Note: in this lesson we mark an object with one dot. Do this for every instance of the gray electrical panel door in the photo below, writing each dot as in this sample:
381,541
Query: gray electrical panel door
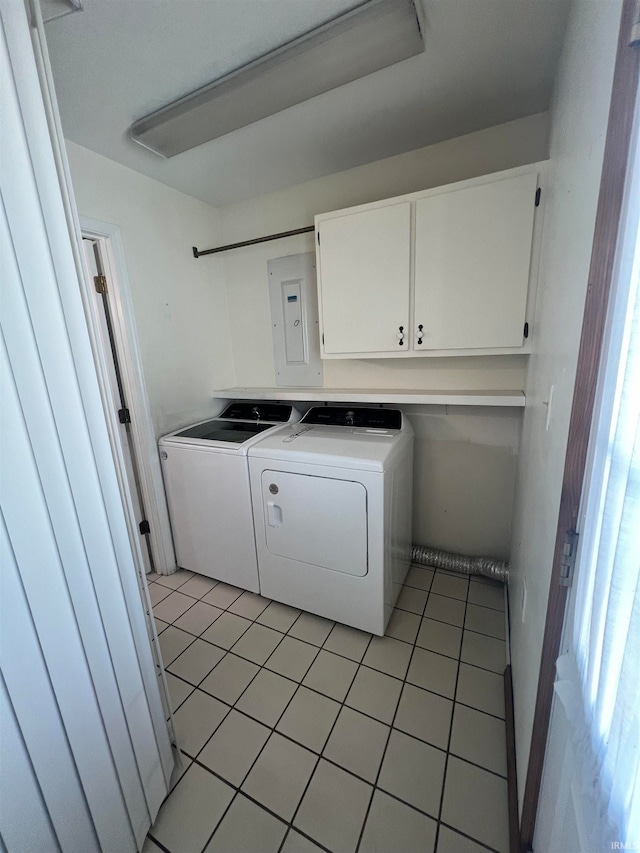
294,320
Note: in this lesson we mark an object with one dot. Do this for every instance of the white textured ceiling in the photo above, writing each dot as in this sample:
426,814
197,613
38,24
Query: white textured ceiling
486,62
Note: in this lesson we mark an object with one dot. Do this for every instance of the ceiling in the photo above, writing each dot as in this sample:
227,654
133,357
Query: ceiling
485,62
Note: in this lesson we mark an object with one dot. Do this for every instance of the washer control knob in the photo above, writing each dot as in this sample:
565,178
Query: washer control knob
164,455
273,489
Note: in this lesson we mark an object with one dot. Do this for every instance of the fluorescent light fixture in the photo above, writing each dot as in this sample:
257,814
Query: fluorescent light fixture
372,36
54,9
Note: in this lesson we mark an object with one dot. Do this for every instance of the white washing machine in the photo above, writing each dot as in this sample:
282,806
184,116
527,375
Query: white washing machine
332,499
206,479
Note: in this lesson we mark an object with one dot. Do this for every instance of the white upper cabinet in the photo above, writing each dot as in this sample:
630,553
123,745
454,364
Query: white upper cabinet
472,258
448,271
365,259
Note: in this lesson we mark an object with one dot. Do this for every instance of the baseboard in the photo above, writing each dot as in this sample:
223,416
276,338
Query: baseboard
512,780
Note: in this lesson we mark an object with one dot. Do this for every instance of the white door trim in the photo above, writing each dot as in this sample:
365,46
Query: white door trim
142,432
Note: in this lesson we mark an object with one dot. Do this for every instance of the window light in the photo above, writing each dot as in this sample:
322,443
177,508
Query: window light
372,36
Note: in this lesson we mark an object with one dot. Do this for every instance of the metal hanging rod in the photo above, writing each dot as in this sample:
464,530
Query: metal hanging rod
197,253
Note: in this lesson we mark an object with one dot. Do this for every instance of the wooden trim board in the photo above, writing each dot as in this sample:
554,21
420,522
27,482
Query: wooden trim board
512,775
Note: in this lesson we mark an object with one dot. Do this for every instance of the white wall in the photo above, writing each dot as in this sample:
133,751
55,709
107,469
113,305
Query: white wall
179,302
464,476
578,128
465,461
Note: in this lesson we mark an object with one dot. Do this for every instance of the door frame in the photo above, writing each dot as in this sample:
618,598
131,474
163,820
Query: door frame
109,240
607,234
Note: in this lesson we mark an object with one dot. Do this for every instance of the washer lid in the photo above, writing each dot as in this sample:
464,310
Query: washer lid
236,432
219,435
359,448
236,429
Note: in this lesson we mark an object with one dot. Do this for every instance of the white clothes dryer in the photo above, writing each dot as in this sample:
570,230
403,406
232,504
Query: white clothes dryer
332,500
206,479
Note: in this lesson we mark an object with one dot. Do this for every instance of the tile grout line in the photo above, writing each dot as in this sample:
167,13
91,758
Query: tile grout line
262,748
287,633
238,790
326,741
338,654
201,637
230,651
391,728
319,648
292,740
260,667
272,729
299,683
450,597
320,693
466,835
405,584
453,710
432,569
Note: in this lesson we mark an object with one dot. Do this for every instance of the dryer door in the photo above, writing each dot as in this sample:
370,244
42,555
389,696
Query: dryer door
316,520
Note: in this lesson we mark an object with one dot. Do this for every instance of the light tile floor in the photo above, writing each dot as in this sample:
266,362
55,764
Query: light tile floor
299,734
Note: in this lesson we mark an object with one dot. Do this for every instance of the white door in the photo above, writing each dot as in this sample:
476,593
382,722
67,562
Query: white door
316,520
86,756
119,403
590,792
364,280
473,252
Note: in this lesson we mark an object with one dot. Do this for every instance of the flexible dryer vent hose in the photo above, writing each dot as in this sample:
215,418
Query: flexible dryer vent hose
494,569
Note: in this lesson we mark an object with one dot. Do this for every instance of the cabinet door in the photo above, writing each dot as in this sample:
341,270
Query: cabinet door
473,252
364,269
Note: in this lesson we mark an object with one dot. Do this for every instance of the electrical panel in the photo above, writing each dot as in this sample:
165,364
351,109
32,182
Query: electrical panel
294,320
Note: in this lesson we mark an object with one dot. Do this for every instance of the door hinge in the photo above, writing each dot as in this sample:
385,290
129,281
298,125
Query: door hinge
568,559
144,527
123,416
525,331
318,238
538,194
100,282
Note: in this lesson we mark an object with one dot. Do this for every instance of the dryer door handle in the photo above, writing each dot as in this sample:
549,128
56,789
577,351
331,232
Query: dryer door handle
274,514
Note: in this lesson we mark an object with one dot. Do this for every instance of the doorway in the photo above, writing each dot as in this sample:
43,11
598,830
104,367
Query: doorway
104,314
111,322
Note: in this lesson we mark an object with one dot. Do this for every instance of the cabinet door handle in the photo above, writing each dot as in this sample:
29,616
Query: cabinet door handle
419,334
400,336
